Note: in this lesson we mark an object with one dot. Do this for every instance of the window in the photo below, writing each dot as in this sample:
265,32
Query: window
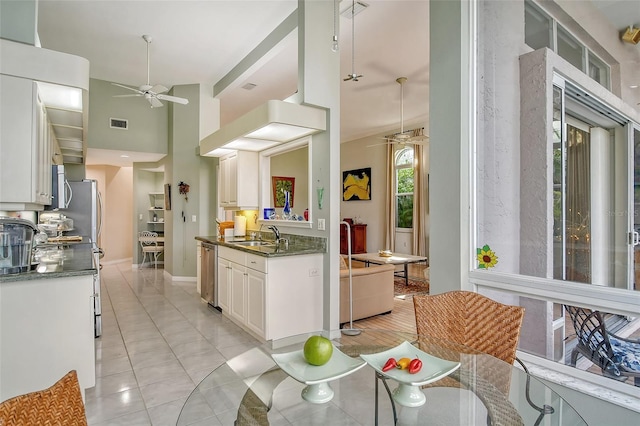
404,187
569,48
538,28
576,240
540,31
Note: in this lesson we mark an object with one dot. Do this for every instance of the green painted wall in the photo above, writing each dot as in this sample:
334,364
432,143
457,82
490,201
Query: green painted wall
184,165
18,20
148,127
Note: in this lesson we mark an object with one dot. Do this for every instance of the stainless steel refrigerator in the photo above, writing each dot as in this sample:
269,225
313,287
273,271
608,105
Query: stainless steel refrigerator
86,209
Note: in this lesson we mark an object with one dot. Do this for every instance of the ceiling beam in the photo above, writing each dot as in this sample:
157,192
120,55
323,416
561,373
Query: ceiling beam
260,55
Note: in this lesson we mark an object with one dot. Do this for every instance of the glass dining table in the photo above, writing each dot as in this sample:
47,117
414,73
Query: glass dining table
272,384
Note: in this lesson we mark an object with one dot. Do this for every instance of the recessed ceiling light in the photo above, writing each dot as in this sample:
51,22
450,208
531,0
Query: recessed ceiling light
124,156
249,86
633,86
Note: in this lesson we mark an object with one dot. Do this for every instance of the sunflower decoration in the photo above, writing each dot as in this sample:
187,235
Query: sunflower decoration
486,258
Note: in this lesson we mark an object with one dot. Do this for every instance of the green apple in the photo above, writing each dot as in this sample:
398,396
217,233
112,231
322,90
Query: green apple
318,350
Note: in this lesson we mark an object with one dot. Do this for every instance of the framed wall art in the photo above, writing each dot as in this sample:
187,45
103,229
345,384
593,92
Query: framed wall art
281,184
356,184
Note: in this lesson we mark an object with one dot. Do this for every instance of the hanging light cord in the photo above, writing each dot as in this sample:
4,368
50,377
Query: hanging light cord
353,38
402,106
335,46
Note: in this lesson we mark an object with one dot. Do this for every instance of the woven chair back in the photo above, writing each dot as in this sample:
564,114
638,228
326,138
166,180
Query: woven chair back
61,404
472,320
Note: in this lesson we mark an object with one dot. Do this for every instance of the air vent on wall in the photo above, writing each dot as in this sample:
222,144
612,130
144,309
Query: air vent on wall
118,123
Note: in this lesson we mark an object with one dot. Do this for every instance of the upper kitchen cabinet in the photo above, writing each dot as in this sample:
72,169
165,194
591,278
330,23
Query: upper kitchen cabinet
239,181
26,145
28,139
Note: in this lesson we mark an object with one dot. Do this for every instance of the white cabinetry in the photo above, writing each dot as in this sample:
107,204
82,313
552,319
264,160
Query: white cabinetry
270,297
239,180
224,282
47,330
26,142
256,299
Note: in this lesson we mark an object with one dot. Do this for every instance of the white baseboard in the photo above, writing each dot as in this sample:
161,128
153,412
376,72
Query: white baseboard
177,278
114,262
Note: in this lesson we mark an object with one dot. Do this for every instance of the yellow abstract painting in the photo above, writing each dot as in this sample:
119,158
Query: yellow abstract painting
356,184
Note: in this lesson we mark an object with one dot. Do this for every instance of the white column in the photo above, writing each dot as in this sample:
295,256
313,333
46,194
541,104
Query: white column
452,82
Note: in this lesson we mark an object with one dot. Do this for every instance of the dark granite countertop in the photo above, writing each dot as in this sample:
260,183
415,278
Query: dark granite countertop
58,260
298,245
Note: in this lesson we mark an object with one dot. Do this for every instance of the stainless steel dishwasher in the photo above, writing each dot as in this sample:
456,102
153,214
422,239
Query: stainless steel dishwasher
209,285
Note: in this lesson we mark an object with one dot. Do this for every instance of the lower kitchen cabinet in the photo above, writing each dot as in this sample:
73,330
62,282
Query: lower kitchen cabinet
47,330
238,289
271,297
224,283
256,286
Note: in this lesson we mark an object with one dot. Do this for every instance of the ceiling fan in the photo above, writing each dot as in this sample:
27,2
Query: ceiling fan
409,137
154,94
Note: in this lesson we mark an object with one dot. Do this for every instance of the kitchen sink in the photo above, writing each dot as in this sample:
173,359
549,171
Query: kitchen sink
253,243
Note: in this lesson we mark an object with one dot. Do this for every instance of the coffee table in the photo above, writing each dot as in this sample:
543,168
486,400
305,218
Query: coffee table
394,259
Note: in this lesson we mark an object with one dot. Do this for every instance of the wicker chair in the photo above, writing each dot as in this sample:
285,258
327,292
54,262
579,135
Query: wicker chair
617,357
61,404
485,326
472,320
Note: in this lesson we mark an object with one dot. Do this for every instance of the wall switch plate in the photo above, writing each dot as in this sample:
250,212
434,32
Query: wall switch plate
320,224
193,218
140,216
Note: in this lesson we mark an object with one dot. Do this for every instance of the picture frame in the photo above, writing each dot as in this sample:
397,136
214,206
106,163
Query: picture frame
281,184
167,196
356,184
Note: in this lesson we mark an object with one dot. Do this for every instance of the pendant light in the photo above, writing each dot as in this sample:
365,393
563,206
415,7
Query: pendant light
353,76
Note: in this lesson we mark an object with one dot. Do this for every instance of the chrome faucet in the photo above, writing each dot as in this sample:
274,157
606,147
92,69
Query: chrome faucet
278,238
276,232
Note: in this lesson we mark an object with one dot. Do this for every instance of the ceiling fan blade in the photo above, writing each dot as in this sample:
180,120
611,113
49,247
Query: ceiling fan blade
134,89
418,139
353,77
182,101
158,88
155,103
127,96
378,144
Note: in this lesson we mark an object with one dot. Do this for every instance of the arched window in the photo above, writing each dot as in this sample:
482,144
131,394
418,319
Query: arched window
404,168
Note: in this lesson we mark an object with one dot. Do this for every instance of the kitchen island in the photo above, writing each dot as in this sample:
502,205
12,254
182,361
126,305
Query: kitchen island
46,321
270,290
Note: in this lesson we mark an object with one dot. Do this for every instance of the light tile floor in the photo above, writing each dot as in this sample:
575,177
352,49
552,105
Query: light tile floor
158,342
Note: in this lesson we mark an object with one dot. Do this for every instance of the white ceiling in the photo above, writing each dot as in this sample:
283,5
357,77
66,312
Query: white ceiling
201,41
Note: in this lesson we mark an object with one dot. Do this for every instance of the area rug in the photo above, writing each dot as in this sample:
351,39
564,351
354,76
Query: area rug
416,286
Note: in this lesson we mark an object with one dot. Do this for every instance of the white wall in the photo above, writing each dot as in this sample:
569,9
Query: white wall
356,155
116,186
